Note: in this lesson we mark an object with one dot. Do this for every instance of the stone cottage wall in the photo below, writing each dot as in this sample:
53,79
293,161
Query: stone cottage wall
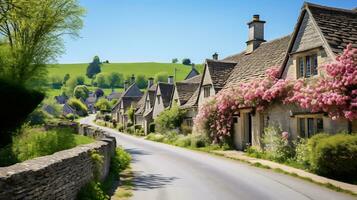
57,176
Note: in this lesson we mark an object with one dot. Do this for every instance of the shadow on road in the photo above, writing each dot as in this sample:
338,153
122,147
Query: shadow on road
150,181
135,153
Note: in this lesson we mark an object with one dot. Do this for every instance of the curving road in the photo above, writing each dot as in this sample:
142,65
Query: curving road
164,172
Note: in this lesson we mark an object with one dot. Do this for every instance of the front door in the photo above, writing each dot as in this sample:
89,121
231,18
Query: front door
247,127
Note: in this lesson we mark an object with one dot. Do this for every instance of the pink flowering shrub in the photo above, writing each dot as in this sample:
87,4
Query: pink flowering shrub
335,93
215,115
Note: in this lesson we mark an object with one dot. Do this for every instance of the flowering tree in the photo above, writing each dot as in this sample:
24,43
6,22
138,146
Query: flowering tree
215,115
335,93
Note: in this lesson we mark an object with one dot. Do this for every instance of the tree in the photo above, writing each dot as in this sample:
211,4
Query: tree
186,61
174,60
141,81
71,84
80,108
115,79
80,80
101,80
99,92
66,78
81,91
32,35
103,104
161,77
94,67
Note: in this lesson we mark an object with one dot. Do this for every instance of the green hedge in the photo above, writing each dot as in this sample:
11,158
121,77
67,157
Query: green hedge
334,156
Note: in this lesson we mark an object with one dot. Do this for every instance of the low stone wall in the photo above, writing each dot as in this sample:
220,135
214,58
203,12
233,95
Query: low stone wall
91,131
57,176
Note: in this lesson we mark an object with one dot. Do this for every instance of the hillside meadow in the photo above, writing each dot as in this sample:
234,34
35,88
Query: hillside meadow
148,69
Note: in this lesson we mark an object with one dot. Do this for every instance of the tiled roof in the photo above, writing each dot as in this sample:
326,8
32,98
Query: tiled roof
129,101
141,104
219,71
254,65
186,88
192,73
166,90
114,95
133,92
338,26
192,102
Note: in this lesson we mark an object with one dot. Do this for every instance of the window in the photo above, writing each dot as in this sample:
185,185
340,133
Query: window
189,122
308,126
307,66
158,99
206,91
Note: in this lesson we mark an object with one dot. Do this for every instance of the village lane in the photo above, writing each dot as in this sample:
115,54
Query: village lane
164,172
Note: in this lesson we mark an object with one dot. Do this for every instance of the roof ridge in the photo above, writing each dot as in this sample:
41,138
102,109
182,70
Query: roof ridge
220,61
308,4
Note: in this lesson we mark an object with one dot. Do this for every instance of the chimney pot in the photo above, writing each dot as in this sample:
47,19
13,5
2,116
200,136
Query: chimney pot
256,34
215,56
132,79
126,85
170,80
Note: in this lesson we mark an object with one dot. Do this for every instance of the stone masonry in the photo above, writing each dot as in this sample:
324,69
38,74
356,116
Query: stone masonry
57,176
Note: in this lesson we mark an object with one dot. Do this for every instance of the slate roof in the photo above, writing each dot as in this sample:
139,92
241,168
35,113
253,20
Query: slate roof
219,71
192,73
133,93
192,102
166,90
186,88
114,95
129,101
142,103
254,65
91,100
338,26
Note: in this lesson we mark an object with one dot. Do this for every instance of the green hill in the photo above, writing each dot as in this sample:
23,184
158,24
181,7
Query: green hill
148,69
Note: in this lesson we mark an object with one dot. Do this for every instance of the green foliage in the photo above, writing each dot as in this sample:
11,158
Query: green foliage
120,161
174,60
56,82
141,81
199,141
81,91
17,102
276,147
334,156
183,141
103,104
101,80
302,153
34,142
161,77
185,129
130,129
65,79
94,67
130,114
114,79
99,92
169,119
71,84
80,108
38,117
186,61
71,116
155,137
97,161
92,191
32,35
120,127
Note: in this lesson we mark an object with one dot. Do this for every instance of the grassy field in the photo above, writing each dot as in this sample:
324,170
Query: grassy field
148,69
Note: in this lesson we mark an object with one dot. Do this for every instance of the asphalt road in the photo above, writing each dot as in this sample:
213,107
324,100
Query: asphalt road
164,172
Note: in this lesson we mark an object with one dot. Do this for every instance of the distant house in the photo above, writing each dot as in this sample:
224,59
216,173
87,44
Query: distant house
90,103
68,110
185,96
143,114
192,73
129,98
214,77
61,99
163,96
114,95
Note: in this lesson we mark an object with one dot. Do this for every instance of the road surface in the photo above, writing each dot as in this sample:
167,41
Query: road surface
164,172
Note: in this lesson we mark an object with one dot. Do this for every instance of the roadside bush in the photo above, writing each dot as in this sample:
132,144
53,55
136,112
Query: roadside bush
120,127
71,116
183,141
199,141
120,161
152,127
302,153
103,105
130,130
137,126
277,146
38,117
169,119
93,191
157,137
334,156
185,129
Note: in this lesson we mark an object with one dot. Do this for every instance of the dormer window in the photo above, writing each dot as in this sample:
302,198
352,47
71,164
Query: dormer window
307,66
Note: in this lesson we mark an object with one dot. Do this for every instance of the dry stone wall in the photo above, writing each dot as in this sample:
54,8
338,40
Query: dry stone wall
57,176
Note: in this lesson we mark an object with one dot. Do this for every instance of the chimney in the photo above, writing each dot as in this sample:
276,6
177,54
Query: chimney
126,85
215,56
150,82
170,80
132,79
256,34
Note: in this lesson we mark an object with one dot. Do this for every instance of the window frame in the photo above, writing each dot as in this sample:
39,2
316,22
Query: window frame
206,91
307,119
307,65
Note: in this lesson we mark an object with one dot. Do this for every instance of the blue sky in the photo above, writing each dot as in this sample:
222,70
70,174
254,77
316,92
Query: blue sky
159,30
